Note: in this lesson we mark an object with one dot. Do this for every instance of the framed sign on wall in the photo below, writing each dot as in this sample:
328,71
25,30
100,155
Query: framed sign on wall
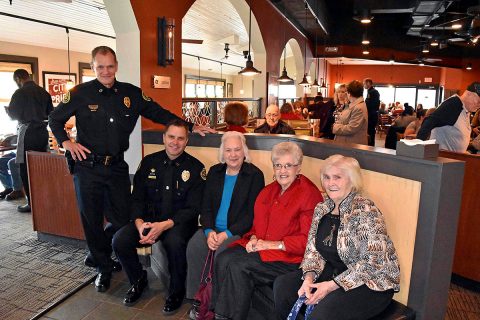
56,84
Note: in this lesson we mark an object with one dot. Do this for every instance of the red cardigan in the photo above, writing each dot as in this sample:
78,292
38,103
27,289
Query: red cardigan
284,217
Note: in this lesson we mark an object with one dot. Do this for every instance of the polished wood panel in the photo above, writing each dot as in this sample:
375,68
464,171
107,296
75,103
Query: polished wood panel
54,206
467,250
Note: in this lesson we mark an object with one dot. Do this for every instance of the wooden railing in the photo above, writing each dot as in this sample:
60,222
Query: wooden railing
210,111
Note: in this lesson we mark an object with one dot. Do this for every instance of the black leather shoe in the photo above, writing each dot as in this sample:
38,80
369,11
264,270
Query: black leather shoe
5,192
136,290
117,267
14,195
102,282
174,301
24,208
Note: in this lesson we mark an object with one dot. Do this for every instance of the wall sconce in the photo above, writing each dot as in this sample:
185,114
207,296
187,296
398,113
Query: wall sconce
166,38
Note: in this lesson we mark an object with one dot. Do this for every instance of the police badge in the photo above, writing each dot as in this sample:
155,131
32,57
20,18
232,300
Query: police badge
66,97
126,102
185,175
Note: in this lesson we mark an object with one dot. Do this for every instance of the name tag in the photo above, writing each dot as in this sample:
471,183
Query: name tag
93,107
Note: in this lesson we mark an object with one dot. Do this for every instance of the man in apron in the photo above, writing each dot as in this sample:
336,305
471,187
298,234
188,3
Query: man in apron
30,106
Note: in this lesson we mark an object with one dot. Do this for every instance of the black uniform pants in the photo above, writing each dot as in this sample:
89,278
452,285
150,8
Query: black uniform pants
102,192
174,240
35,139
372,124
357,304
236,275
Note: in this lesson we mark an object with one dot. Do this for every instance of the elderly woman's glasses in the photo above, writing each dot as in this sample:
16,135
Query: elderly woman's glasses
288,166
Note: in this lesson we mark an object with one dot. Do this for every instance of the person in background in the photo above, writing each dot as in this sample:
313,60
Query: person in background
340,100
382,109
476,124
413,127
300,110
398,127
373,103
10,178
273,123
352,123
350,268
230,192
287,112
236,116
450,125
166,200
30,105
419,107
106,112
275,243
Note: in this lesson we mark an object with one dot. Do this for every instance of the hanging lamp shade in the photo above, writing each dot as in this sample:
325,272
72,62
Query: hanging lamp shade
249,69
284,77
304,82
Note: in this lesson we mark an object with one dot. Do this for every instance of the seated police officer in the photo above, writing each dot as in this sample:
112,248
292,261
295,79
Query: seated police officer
166,200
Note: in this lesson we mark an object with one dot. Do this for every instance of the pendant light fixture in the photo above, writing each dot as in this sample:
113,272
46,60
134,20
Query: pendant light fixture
284,77
249,69
69,84
305,82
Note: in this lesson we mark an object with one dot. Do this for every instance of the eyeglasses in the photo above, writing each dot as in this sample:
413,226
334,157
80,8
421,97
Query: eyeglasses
271,115
288,166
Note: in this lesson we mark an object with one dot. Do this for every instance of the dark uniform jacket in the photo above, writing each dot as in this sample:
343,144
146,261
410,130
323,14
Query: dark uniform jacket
105,117
165,189
281,127
373,102
30,103
249,183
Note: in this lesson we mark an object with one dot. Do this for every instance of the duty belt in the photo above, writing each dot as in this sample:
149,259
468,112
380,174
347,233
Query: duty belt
105,160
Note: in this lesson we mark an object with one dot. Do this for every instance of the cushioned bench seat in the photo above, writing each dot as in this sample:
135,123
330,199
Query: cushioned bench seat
262,302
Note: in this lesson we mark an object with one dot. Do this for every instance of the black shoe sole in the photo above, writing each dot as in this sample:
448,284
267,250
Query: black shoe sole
101,289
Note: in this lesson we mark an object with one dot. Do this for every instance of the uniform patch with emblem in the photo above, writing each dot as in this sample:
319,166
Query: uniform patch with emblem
152,174
93,107
185,175
126,102
203,174
66,97
145,97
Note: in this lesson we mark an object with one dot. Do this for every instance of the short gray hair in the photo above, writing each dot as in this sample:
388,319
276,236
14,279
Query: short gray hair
284,148
349,166
233,134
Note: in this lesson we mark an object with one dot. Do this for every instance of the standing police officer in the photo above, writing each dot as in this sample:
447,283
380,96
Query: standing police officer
373,104
166,200
106,112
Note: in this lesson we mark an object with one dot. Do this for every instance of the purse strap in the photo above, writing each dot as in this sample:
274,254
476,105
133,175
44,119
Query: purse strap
297,306
208,277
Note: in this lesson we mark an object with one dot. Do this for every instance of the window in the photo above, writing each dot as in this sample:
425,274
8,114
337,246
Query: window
413,95
287,91
204,87
86,72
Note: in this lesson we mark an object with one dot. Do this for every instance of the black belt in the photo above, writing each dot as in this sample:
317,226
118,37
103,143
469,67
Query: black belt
105,160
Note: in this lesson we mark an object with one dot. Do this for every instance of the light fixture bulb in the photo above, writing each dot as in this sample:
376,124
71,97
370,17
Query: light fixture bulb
469,66
425,49
365,41
434,43
365,20
69,85
304,82
366,52
456,26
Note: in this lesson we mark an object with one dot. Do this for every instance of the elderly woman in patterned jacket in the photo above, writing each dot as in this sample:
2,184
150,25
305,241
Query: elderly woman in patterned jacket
350,268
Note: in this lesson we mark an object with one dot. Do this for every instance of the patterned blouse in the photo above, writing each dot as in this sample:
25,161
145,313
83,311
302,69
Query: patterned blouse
363,245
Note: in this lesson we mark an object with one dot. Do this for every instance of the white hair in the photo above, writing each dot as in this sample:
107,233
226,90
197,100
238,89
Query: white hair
233,134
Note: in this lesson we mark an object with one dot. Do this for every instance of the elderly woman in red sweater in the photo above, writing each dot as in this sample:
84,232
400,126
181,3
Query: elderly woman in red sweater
276,242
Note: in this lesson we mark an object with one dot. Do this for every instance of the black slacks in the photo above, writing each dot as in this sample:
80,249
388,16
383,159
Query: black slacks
372,124
174,240
236,275
102,191
360,303
35,139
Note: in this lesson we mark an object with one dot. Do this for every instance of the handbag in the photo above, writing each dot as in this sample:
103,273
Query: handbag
204,293
297,306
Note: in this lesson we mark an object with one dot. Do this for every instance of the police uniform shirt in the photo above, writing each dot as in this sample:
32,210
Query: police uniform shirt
105,117
165,189
30,103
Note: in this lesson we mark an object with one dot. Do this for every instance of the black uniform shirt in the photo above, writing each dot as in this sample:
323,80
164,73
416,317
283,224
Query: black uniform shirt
158,178
372,101
105,117
30,103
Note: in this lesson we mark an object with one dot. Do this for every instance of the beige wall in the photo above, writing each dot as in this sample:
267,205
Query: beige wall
48,59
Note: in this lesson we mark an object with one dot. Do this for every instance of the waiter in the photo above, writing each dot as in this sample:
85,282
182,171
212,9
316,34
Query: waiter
106,112
30,105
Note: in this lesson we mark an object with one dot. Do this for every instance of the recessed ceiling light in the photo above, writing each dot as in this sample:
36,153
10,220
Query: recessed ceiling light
366,51
365,41
456,26
365,20
434,43
469,66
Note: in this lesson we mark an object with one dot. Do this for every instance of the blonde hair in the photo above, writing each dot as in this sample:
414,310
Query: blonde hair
349,166
335,95
284,148
233,134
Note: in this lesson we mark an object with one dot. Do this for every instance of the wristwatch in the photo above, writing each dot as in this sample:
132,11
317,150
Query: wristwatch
280,246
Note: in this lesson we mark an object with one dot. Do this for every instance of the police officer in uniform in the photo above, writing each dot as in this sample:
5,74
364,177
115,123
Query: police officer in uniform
373,104
166,202
30,105
106,112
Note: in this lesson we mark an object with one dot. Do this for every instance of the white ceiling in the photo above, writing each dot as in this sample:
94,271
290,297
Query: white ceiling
87,15
216,22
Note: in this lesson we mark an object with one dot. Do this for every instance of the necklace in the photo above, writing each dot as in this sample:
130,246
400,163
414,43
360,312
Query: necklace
329,239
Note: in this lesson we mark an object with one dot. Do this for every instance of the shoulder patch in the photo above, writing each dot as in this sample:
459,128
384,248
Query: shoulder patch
66,97
145,97
203,174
